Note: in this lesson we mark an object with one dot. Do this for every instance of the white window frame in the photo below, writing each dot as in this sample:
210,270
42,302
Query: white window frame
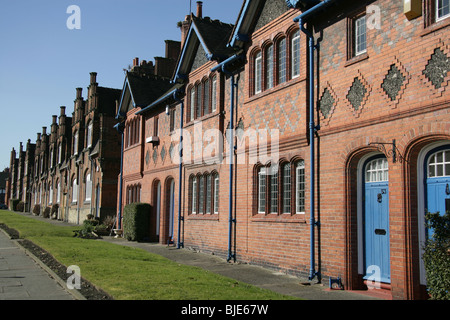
193,106
258,72
216,194
269,67
281,61
75,143
444,163
300,187
208,193
50,196
274,193
194,195
214,95
287,188
295,58
60,153
440,4
377,171
262,190
58,196
75,191
89,134
88,191
201,194
360,30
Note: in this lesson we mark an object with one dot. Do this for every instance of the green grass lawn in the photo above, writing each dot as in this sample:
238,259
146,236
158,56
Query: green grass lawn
130,273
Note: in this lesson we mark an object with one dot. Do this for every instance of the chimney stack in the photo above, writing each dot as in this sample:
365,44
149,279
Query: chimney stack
54,119
44,131
63,111
185,29
38,136
199,9
79,92
93,77
135,62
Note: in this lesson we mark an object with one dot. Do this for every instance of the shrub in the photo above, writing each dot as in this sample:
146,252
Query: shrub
46,213
20,206
437,256
13,204
136,221
37,210
54,212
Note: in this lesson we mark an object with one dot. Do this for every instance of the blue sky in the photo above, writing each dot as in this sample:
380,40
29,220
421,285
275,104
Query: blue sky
42,62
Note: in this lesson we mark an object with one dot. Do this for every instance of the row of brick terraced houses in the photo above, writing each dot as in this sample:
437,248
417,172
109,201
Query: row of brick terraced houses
315,135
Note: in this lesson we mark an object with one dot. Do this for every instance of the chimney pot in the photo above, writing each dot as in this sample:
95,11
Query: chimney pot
79,92
63,111
44,130
199,9
54,119
136,62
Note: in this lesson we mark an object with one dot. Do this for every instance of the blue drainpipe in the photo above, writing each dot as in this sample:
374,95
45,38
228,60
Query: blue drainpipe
312,128
222,66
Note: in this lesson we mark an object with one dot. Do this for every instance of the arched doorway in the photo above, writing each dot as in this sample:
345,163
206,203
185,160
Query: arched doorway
169,204
156,216
375,205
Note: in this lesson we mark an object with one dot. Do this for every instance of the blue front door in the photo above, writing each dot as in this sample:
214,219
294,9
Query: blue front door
376,220
438,182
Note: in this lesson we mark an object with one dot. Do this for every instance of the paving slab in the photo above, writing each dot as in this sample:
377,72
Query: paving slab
21,278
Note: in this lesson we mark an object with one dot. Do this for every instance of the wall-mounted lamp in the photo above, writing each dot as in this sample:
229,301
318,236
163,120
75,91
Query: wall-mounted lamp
394,152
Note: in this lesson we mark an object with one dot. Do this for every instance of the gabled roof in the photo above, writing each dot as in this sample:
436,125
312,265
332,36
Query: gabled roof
140,91
250,11
212,35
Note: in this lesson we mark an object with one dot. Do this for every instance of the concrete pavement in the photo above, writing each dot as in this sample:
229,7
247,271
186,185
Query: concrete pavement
21,278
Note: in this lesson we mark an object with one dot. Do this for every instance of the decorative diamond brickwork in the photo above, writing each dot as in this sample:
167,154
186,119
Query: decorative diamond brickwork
437,68
393,82
163,153
155,156
356,94
326,103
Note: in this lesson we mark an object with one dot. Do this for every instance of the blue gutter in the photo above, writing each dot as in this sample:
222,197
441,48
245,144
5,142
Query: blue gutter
312,128
120,127
223,67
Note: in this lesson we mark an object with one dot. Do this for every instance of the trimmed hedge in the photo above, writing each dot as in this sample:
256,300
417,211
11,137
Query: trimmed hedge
13,204
136,221
437,256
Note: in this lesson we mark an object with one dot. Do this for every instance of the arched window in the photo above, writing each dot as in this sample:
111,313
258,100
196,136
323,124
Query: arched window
75,143
216,194
277,187
281,61
206,101
74,191
88,191
269,67
439,164
89,135
295,54
300,187
258,72
286,171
